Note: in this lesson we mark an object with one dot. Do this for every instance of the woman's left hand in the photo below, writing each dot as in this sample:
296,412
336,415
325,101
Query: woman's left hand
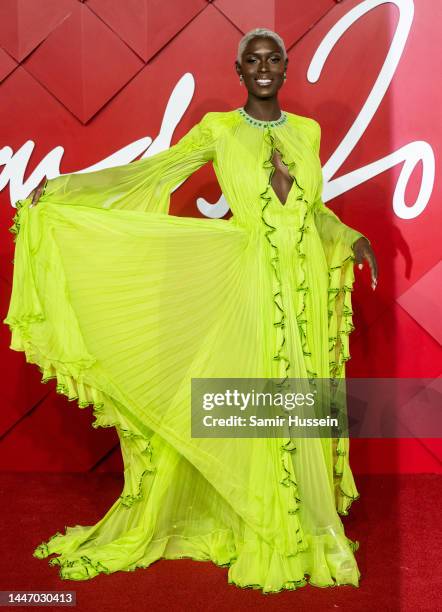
362,250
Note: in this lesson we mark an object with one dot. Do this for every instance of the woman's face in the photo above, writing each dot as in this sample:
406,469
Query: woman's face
262,66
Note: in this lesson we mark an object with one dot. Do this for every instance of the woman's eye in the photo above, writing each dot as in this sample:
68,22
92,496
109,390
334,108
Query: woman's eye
274,59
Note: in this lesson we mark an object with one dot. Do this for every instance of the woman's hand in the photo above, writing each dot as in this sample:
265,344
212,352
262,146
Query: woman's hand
362,250
37,192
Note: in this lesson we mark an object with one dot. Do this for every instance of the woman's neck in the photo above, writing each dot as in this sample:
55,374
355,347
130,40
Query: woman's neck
264,110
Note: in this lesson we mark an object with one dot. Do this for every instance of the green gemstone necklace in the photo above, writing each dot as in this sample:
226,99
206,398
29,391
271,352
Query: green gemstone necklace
259,123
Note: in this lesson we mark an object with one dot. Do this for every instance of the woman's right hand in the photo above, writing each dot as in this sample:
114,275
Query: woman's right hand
37,192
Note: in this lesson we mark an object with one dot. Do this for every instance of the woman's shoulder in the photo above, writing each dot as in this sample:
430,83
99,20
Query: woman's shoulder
219,122
221,117
302,122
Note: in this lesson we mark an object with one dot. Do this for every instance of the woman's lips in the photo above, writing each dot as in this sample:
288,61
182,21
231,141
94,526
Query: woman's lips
264,82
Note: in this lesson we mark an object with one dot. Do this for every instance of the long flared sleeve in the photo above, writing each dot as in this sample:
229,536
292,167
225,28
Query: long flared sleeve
145,184
329,225
337,240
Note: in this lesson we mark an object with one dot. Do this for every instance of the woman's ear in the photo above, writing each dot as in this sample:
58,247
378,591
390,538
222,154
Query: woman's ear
237,68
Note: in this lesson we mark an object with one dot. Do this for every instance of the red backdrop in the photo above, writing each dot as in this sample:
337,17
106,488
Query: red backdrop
94,76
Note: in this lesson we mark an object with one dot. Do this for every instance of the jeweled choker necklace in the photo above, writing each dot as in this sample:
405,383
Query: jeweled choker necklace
259,123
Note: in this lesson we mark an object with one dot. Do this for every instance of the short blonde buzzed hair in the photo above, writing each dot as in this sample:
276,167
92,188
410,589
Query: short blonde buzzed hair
256,33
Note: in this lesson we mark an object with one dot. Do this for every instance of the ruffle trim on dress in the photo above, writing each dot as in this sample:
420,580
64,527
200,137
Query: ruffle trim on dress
15,227
338,332
339,351
302,287
340,313
289,479
104,417
218,547
86,395
327,561
69,376
343,477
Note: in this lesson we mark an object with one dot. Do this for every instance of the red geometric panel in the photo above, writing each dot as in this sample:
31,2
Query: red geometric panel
146,25
23,25
423,303
34,444
395,456
394,346
83,63
289,19
7,65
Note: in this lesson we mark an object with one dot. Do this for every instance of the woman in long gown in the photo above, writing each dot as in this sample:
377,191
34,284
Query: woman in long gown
123,304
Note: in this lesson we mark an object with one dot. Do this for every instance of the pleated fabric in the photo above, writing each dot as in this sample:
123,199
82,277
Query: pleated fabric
123,304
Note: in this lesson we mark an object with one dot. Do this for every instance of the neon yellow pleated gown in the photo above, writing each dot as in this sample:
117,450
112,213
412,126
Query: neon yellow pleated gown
124,303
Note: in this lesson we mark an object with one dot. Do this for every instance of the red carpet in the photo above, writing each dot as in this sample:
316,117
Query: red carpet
396,521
